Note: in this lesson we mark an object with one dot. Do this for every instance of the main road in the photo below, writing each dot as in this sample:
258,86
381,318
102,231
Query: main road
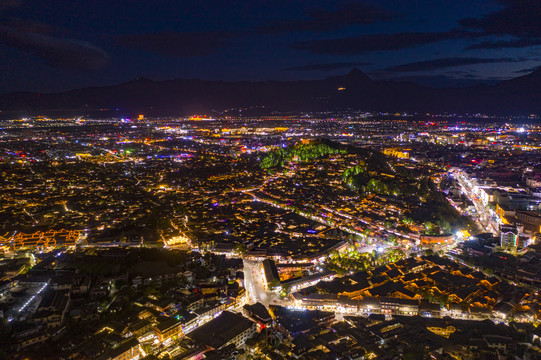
254,282
484,216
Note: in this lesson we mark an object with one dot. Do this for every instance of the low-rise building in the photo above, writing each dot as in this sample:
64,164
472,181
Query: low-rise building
168,330
228,328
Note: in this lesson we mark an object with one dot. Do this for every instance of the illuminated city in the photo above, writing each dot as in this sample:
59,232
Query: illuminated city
179,190
149,230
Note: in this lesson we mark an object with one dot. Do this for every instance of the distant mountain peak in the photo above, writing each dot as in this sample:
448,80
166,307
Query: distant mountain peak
355,73
353,91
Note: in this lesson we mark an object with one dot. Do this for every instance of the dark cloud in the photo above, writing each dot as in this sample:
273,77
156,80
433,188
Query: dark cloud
326,67
8,4
465,73
319,20
55,51
505,44
443,63
527,71
42,40
378,42
22,25
178,44
520,19
442,81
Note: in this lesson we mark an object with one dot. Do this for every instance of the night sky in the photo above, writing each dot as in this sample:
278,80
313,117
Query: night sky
57,45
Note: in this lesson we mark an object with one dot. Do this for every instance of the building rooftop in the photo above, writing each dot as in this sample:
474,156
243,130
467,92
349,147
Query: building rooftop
219,331
167,324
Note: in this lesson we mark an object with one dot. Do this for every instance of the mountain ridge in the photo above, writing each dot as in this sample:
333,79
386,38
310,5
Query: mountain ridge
352,91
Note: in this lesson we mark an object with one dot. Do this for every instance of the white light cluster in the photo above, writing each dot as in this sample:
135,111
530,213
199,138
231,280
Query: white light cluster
33,297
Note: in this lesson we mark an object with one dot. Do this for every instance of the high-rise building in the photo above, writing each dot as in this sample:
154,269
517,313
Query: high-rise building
509,236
